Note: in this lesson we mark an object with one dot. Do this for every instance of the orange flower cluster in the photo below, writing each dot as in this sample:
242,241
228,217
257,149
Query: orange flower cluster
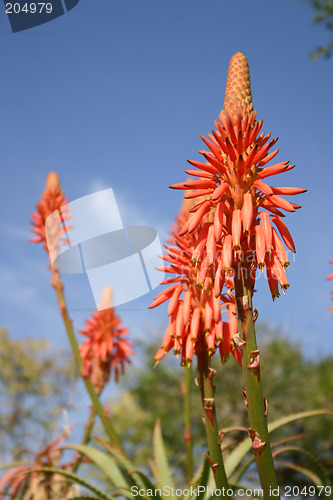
240,210
235,225
195,323
330,277
106,348
52,199
16,483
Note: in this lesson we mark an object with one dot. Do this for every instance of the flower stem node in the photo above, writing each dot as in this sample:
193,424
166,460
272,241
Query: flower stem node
211,462
209,407
255,363
266,406
257,443
245,398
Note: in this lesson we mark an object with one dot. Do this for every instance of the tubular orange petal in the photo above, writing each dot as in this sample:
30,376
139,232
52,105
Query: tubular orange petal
198,216
218,220
216,163
260,246
273,170
208,315
180,326
211,245
236,228
227,252
219,280
284,232
179,185
220,190
288,190
280,249
263,151
218,328
200,243
281,203
263,187
199,173
216,304
203,166
210,342
173,304
200,184
195,324
249,159
247,212
187,306
267,230
197,193
268,157
214,149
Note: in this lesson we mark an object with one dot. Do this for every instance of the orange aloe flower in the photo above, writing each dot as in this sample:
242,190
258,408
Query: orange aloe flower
240,209
330,277
17,483
106,349
51,200
195,323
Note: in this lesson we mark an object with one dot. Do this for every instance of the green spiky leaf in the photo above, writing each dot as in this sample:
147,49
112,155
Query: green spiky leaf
161,468
237,455
139,478
73,477
104,462
319,479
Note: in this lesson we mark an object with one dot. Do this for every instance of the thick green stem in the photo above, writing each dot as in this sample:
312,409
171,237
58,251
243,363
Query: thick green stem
106,422
256,404
187,420
206,375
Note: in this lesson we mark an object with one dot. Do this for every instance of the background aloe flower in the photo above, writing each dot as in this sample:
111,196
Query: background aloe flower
106,349
238,216
195,323
16,483
52,199
330,277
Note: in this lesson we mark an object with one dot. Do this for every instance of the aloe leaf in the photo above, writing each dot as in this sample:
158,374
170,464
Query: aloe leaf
147,484
200,479
303,470
237,455
83,498
319,467
76,479
104,462
126,463
15,464
161,469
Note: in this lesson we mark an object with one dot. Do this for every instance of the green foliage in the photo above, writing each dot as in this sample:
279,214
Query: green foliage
324,15
35,385
292,384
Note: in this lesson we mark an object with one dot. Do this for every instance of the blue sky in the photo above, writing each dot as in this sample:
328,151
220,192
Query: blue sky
115,94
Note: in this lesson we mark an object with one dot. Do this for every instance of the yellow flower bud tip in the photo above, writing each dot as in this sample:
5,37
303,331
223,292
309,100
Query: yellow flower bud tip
107,299
52,182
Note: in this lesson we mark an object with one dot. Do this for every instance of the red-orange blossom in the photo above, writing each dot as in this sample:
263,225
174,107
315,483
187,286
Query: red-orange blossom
237,218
